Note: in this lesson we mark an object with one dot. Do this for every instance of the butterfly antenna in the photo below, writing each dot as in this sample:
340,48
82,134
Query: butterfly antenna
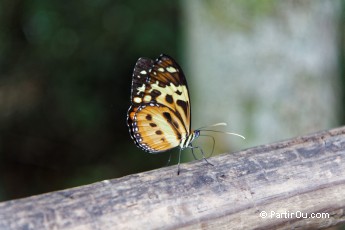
213,125
216,131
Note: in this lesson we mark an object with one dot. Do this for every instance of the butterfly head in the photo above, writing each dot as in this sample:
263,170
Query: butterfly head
196,134
187,141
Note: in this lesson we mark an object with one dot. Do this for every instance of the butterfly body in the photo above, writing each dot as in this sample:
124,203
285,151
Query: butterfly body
159,117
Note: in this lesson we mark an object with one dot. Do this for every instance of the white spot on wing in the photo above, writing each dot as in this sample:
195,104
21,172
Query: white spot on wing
173,87
137,100
141,89
143,72
147,98
171,69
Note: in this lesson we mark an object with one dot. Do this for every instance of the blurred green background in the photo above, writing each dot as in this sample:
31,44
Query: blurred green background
65,76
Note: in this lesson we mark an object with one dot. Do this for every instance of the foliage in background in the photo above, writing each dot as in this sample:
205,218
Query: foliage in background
65,75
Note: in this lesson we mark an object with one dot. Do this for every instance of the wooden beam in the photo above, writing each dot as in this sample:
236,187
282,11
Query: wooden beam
288,181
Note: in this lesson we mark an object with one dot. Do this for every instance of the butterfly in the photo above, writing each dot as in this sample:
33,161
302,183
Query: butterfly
159,118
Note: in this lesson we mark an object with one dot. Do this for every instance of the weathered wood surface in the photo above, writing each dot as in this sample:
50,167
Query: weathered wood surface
300,176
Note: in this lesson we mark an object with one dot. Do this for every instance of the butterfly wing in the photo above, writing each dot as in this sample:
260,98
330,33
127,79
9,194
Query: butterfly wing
168,79
156,128
159,92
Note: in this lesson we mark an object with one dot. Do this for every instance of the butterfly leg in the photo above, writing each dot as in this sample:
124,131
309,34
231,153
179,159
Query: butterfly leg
202,153
192,148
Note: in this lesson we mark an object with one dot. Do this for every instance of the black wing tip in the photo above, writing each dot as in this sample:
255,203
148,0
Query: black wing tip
165,56
144,59
142,63
162,56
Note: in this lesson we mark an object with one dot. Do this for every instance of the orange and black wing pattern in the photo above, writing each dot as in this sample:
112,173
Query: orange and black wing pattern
159,116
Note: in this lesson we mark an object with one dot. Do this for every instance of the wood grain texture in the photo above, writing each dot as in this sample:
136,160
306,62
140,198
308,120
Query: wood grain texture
304,175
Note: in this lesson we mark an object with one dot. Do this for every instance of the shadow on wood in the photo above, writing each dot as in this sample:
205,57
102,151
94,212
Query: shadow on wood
299,183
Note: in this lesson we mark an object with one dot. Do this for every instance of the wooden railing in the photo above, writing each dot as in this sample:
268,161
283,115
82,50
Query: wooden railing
293,184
